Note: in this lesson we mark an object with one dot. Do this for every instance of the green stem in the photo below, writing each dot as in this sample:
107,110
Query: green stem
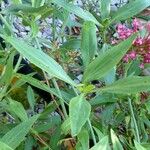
75,90
3,92
53,28
92,132
134,121
34,132
18,63
61,98
57,88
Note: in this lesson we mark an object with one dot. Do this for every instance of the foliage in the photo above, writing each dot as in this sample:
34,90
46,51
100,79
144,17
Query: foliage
95,69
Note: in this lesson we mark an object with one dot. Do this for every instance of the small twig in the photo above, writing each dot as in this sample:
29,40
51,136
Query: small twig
45,76
61,113
42,141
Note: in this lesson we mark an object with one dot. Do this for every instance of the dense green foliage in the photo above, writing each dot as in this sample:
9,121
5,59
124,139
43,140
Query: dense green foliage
108,98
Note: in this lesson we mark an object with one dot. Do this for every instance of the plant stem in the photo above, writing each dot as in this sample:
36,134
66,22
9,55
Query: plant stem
3,92
56,86
35,133
18,63
92,132
60,111
61,98
75,90
134,121
53,28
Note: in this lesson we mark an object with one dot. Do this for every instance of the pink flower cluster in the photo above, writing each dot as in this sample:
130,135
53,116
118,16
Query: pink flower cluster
141,45
124,32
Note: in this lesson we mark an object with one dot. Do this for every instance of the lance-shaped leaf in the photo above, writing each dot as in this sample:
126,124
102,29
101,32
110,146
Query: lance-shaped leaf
37,3
17,108
115,141
129,85
88,42
83,137
40,59
105,8
106,61
103,144
24,8
130,9
76,10
36,83
4,146
138,146
15,136
79,112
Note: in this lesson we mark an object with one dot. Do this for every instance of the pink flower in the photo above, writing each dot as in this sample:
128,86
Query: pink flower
141,65
129,32
123,31
121,27
132,55
138,41
136,25
147,58
148,27
126,58
114,41
141,45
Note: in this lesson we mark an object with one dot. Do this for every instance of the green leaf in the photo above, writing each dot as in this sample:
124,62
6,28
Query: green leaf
66,126
115,141
103,144
18,109
147,106
71,44
34,28
106,61
108,113
99,133
111,76
129,85
8,72
129,10
138,146
87,16
40,59
36,83
133,68
50,123
103,99
26,9
105,8
29,143
88,42
55,139
84,139
4,146
15,136
31,98
17,1
37,3
79,112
